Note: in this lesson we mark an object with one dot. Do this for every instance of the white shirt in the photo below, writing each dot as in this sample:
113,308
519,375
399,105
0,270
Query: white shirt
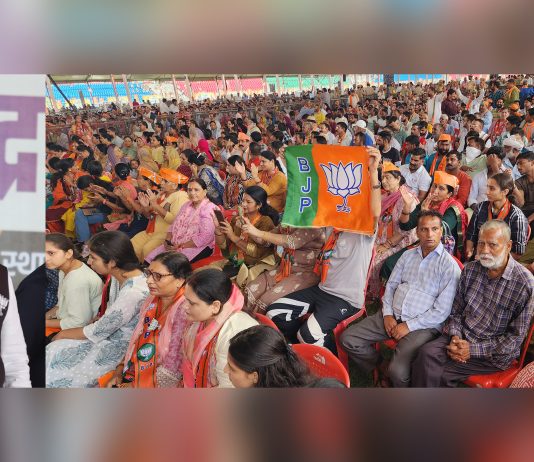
433,107
417,181
164,108
173,108
479,186
395,144
330,137
14,355
475,104
347,139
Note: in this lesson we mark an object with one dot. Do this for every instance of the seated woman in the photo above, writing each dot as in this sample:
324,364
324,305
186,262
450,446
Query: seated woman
390,238
215,310
78,357
269,177
260,357
235,244
296,270
214,183
154,355
171,157
83,199
80,288
156,149
440,199
233,188
63,194
161,209
144,153
192,232
499,206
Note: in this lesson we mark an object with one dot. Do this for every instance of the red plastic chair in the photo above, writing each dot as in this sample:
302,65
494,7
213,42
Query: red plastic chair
215,256
322,362
460,264
502,379
266,321
340,328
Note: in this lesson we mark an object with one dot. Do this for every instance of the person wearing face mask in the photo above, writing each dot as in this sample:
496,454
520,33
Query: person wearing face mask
512,147
475,160
499,206
490,316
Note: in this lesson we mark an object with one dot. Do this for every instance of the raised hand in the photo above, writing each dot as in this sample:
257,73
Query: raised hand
249,228
254,171
143,199
374,158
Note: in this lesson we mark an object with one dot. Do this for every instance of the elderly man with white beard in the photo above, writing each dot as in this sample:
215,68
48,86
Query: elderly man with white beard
490,316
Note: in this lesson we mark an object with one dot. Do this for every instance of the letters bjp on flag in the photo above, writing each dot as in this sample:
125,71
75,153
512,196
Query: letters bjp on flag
328,186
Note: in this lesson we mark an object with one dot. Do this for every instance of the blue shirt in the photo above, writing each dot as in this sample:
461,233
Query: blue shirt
421,290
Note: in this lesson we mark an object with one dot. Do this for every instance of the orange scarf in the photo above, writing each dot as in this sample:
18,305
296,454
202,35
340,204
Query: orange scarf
441,165
152,221
266,178
503,212
142,364
244,237
322,263
288,257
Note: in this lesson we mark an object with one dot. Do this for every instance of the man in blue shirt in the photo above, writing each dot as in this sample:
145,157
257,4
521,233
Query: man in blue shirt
418,299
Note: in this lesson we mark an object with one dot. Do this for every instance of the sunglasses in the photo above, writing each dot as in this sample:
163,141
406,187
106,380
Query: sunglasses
156,276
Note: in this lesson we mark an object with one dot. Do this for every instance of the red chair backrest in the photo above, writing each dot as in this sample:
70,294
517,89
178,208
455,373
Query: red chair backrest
266,321
322,362
526,343
460,264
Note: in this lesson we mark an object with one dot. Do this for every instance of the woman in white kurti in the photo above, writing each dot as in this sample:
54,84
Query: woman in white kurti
78,357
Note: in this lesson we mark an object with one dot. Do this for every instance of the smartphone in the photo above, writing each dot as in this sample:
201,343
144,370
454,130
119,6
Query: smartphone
220,216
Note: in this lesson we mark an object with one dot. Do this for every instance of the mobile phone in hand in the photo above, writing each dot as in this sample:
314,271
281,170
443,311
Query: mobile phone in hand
219,215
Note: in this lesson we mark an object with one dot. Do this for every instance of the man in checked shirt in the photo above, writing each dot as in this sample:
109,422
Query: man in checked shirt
490,317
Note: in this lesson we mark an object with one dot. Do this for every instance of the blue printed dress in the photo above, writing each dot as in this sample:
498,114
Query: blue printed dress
79,363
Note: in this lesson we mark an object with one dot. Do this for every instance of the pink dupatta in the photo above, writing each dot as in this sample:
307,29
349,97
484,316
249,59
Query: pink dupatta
196,338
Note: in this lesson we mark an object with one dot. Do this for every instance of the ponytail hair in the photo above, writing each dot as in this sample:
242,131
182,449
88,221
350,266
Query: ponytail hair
260,197
269,155
505,181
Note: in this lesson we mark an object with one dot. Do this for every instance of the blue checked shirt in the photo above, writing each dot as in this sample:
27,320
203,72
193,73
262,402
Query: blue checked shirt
421,290
493,315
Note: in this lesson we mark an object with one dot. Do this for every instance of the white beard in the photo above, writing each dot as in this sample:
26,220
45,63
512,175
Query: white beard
491,262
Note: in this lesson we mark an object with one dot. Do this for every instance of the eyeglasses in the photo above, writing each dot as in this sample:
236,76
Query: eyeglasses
156,276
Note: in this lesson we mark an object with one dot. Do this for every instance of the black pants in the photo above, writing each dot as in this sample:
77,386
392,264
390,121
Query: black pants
204,254
326,310
434,368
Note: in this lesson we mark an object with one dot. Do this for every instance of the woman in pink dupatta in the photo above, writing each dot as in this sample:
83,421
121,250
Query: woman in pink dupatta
154,355
192,231
215,310
390,238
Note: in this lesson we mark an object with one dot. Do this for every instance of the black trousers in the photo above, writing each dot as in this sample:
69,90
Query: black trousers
433,367
326,310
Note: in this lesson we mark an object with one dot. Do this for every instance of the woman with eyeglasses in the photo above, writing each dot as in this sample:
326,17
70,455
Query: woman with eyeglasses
154,355
77,357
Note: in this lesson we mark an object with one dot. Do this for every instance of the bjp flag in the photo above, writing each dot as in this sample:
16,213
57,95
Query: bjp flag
328,186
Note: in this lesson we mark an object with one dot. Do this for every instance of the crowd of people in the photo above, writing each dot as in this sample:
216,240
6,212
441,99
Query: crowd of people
166,239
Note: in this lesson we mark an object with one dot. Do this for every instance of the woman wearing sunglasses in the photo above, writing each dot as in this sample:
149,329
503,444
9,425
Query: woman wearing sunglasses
154,355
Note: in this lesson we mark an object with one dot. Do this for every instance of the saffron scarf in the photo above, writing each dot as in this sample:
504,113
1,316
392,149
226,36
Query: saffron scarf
441,165
152,220
288,258
322,264
200,339
461,216
150,340
503,212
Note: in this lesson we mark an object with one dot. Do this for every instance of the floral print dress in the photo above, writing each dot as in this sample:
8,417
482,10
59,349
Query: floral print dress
79,363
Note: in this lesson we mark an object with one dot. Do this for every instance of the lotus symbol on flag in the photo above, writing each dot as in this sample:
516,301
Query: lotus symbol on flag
344,181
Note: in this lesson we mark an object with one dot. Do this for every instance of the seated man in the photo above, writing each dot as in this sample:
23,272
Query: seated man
490,316
418,299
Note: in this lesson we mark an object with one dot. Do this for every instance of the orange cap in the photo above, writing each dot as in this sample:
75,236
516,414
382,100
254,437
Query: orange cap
445,178
243,136
444,137
171,139
173,176
389,167
152,176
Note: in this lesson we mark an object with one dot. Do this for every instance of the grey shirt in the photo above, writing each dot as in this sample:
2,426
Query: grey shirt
349,264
